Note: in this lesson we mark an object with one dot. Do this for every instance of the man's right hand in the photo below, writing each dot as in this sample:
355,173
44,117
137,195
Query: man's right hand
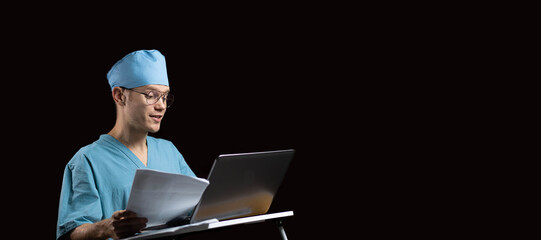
126,223
122,224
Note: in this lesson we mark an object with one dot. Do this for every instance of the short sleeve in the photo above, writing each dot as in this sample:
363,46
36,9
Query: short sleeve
183,165
184,168
79,198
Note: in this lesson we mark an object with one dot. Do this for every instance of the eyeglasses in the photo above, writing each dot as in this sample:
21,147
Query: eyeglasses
152,97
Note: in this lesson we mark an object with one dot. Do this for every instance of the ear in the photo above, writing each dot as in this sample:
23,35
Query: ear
118,95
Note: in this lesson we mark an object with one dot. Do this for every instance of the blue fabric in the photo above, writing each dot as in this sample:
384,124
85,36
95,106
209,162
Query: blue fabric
139,68
97,180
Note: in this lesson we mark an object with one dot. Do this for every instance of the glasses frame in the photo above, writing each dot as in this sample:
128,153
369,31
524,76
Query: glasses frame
168,97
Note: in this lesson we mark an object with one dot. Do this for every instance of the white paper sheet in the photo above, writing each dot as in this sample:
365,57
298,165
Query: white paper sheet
161,196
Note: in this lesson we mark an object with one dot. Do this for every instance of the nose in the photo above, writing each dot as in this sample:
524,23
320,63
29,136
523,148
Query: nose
160,104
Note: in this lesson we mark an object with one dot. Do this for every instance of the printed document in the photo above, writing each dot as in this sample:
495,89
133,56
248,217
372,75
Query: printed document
162,197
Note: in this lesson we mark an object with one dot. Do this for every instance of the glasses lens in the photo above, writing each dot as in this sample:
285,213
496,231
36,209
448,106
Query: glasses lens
152,97
170,99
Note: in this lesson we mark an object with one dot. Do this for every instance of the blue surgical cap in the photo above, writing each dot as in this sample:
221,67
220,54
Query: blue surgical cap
139,68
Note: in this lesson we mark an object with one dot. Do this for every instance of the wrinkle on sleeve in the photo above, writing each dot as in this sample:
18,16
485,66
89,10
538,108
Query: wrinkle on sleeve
79,199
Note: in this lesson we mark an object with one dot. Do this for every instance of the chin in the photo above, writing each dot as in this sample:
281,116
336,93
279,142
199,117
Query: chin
154,129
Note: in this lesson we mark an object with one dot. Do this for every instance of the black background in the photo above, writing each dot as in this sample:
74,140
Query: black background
371,97
237,89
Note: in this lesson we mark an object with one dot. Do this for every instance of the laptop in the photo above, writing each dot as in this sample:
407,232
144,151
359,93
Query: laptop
241,185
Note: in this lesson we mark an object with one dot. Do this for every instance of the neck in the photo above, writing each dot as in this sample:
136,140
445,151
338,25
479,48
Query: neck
131,138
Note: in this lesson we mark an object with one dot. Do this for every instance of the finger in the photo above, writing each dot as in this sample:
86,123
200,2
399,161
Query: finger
124,214
128,227
128,223
117,214
128,214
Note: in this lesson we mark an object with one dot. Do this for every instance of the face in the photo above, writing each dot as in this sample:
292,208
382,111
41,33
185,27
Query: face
143,116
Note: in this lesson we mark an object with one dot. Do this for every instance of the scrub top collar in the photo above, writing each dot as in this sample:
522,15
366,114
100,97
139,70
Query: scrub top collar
120,146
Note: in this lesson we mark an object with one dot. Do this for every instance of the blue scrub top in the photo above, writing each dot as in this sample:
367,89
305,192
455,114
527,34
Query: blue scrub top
97,180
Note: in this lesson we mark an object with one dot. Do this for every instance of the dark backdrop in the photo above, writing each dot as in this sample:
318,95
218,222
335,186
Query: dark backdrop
234,94
368,96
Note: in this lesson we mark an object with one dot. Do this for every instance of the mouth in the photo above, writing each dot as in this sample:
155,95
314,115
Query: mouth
156,118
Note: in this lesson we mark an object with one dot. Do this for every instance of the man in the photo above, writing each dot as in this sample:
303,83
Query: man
97,180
